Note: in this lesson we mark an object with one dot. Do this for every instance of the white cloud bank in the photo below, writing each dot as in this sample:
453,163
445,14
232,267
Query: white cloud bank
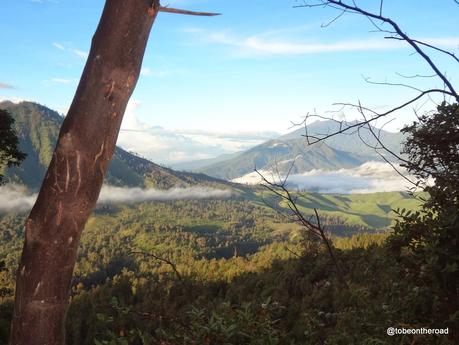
369,177
174,146
15,198
114,195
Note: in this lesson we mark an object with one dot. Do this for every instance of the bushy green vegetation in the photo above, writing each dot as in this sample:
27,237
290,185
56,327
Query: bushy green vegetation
226,272
10,155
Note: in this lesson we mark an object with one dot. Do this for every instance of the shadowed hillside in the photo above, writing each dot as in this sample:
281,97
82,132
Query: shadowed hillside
38,128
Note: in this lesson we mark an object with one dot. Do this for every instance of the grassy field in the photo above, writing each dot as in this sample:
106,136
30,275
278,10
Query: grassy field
373,210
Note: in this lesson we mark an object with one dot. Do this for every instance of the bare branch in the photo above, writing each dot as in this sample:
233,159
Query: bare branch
416,45
190,13
294,253
415,76
166,261
427,45
385,148
333,20
369,81
314,229
377,115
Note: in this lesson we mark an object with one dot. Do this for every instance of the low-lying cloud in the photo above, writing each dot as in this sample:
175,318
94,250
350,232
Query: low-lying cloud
369,177
119,195
14,198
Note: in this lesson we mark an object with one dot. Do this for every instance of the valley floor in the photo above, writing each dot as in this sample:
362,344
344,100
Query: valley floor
233,272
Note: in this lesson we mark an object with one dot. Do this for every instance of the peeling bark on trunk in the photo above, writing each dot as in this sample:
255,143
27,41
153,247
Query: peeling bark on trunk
75,175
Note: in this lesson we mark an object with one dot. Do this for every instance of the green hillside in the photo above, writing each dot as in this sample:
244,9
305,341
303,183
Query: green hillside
373,210
344,214
38,128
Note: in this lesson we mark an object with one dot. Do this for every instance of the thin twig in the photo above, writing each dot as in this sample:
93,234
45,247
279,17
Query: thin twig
377,115
426,45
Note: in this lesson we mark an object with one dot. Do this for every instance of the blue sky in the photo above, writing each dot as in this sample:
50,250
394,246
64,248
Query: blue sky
256,68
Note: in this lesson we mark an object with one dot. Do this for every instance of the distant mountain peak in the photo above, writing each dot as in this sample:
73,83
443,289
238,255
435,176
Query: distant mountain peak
339,151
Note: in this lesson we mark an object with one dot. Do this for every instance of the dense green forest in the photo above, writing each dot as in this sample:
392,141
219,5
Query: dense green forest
228,272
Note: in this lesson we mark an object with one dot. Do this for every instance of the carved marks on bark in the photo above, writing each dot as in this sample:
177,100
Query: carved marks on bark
108,91
63,183
70,167
59,213
99,154
121,81
67,177
78,166
37,289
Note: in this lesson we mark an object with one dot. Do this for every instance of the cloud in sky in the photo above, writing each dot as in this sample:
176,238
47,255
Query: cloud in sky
13,99
15,198
156,143
6,86
80,53
68,48
58,46
44,1
156,73
174,146
370,177
164,72
145,71
269,43
58,81
61,81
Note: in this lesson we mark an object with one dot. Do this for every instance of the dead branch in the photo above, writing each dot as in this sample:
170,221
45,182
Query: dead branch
426,45
415,44
161,259
377,137
186,12
315,230
344,127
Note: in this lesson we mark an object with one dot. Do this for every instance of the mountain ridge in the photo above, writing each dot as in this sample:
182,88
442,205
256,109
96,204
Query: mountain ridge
38,128
337,152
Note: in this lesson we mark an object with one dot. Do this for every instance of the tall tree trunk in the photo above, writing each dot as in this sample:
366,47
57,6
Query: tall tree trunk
72,184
